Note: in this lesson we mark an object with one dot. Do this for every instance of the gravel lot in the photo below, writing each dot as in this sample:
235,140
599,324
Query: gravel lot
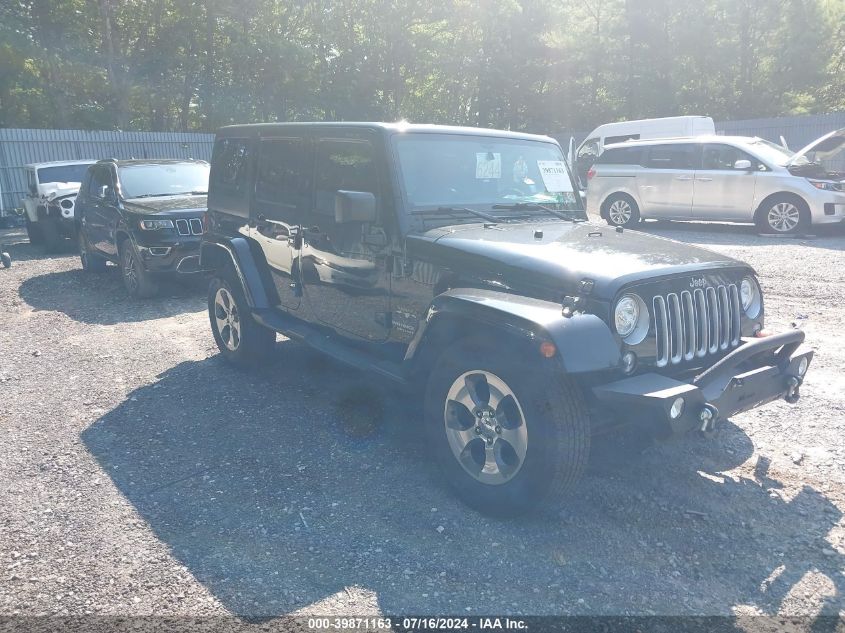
139,475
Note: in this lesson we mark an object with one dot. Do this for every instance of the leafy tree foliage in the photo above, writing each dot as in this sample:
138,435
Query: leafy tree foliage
521,64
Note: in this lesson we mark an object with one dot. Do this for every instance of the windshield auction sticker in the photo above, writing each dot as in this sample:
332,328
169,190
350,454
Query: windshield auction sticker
555,177
488,165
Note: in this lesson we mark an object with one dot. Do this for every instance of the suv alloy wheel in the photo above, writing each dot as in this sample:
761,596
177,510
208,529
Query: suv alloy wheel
507,437
784,215
620,210
138,282
240,338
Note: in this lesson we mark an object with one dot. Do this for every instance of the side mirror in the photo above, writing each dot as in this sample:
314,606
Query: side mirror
743,164
354,206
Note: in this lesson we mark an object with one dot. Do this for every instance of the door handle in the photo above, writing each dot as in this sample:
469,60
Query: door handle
683,177
704,179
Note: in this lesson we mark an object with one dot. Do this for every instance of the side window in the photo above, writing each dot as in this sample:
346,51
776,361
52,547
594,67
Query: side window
100,184
620,156
679,156
343,165
717,156
590,149
228,185
228,166
284,180
610,140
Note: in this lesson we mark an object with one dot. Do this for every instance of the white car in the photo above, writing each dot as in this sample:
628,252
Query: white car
721,178
50,200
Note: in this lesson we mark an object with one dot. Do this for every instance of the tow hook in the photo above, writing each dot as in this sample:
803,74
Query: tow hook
708,416
792,393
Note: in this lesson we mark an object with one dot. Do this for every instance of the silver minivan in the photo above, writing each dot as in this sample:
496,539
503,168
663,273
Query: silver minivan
721,178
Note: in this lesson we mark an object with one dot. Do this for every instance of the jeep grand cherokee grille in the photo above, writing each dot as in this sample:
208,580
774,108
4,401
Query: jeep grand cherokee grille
192,226
694,324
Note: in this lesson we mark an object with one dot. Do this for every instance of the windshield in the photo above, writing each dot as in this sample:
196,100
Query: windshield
62,173
450,170
163,179
771,152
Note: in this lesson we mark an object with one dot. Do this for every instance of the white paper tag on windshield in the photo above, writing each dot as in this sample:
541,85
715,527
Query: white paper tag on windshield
488,165
555,177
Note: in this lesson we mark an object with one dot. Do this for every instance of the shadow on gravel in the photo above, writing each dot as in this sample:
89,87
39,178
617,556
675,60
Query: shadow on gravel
285,488
716,233
16,243
102,299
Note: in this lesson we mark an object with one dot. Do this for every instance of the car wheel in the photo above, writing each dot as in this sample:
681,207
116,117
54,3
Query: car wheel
621,210
33,232
138,282
506,437
240,338
6,259
784,215
91,262
53,239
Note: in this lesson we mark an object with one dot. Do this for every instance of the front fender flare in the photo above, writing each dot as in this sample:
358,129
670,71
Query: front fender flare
584,342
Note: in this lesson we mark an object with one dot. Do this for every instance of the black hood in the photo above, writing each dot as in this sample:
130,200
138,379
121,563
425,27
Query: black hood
182,206
514,255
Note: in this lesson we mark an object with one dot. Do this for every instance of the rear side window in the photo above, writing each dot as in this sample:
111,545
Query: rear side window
227,187
101,182
610,140
680,156
285,168
621,156
228,165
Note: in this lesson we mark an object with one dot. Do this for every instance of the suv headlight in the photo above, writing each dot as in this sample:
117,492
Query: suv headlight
826,185
631,318
750,297
154,225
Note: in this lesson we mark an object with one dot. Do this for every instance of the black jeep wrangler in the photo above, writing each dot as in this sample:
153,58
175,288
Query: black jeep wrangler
459,262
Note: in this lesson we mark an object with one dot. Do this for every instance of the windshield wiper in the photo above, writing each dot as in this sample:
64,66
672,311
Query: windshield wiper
172,193
533,205
455,211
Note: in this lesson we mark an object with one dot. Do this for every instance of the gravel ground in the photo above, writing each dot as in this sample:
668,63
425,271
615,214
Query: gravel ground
139,475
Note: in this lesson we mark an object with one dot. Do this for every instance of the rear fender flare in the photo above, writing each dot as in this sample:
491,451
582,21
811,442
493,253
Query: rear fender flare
584,343
214,256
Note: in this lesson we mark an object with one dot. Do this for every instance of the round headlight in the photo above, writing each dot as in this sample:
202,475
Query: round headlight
627,315
749,295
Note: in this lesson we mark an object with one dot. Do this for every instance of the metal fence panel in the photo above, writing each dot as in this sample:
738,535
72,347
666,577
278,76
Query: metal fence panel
19,147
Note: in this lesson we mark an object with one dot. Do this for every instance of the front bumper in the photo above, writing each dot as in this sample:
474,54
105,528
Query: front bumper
827,207
757,372
171,256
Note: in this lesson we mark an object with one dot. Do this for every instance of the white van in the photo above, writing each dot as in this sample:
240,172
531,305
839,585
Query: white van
610,133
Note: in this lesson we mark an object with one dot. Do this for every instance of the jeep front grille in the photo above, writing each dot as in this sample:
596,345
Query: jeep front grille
189,227
694,324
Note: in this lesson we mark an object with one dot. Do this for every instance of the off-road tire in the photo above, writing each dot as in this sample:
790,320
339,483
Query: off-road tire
786,203
557,422
91,262
33,232
255,343
54,241
138,282
627,209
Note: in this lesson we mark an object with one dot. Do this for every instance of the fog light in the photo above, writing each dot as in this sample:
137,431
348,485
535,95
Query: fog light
677,408
629,362
802,366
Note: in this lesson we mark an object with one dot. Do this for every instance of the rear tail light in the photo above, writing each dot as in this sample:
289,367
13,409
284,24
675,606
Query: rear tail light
591,173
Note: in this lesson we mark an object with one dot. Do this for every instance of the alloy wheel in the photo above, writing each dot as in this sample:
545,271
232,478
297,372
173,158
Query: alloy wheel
485,427
620,212
130,274
227,319
783,217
